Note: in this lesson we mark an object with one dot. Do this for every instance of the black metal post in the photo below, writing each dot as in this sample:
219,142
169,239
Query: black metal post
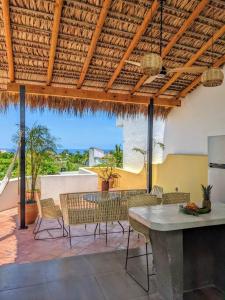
22,159
150,144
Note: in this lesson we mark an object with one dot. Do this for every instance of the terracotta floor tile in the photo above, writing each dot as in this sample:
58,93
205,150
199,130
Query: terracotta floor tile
19,246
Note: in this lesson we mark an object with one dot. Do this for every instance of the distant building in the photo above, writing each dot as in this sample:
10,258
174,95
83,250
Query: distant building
95,156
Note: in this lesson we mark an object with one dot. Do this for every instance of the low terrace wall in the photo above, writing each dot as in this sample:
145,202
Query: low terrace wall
52,186
183,171
69,182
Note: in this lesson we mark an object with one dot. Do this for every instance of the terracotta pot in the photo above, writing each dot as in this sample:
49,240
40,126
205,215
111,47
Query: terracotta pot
31,212
111,183
105,186
36,195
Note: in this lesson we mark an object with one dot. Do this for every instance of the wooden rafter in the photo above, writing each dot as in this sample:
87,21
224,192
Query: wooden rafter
197,80
175,38
91,95
95,37
54,38
141,30
8,38
193,59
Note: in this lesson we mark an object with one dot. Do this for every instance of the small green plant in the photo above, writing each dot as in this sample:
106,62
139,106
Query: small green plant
107,168
107,171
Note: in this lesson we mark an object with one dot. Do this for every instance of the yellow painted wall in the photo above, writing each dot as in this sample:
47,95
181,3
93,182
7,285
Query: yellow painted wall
127,179
186,172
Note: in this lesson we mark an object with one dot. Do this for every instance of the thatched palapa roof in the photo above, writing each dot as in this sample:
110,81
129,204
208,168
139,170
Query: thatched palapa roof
82,45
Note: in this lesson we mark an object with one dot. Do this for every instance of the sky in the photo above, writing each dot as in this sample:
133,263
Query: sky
72,132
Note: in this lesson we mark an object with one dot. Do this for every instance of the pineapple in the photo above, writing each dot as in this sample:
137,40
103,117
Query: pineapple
206,192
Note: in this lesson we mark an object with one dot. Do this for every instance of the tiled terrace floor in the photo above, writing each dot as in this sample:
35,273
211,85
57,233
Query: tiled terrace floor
19,246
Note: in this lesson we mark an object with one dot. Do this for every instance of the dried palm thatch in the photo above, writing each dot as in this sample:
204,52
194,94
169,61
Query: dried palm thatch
32,24
79,107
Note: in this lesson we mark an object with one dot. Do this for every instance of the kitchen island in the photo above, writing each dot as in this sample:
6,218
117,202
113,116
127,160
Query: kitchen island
188,251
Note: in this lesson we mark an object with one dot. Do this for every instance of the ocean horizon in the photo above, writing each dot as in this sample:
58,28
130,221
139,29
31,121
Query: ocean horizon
60,150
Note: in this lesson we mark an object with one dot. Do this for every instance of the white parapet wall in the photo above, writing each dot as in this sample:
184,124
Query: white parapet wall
10,195
68,182
52,186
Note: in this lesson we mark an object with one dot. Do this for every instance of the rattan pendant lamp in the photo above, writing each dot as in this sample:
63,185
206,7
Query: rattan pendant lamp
213,76
151,63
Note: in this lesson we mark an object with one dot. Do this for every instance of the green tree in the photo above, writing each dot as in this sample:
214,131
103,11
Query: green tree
50,164
5,161
118,156
39,147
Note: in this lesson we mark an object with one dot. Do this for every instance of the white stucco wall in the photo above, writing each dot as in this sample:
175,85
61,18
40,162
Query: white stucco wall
135,136
10,195
188,128
52,186
202,114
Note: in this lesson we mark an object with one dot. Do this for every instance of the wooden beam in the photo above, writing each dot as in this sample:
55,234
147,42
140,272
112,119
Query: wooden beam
175,38
8,38
193,59
54,38
141,30
91,95
197,80
94,40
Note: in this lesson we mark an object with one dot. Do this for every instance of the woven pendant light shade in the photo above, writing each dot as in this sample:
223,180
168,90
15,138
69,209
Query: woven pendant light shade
151,64
212,77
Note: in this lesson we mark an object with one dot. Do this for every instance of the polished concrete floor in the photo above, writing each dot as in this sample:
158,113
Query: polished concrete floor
95,277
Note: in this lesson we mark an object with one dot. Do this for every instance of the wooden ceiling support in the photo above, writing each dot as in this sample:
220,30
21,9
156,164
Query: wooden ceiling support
193,59
95,37
54,38
91,95
141,30
195,82
175,38
8,39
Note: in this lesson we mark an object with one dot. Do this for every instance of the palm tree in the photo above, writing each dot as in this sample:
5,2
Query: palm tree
39,145
145,152
142,152
118,156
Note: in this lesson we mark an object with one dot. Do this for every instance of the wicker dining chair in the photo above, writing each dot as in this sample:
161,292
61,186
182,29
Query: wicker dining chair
175,198
77,209
135,201
111,210
157,191
95,207
48,210
112,206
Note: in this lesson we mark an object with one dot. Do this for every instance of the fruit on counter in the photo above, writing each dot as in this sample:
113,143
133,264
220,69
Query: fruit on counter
192,206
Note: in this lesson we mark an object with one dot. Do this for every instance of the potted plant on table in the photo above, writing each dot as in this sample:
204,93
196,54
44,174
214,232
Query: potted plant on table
39,145
107,172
